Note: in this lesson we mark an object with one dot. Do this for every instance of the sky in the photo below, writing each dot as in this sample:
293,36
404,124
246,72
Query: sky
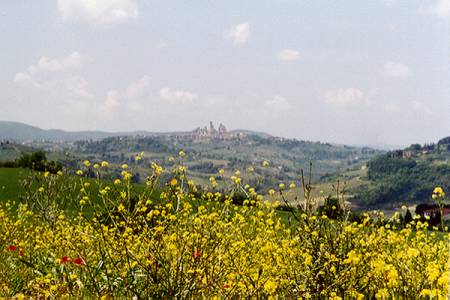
351,72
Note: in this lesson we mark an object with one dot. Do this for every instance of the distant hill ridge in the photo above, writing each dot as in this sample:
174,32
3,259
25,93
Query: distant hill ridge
20,132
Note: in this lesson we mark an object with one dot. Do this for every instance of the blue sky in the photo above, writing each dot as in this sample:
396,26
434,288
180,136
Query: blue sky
358,72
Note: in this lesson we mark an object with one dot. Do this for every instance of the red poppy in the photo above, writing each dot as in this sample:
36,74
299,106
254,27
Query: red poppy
197,254
78,261
12,248
21,253
226,286
64,259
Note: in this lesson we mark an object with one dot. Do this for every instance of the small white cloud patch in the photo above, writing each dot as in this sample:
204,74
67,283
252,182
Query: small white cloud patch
391,108
278,103
46,64
440,8
349,96
79,87
177,96
135,89
99,12
289,55
34,74
396,70
239,34
421,107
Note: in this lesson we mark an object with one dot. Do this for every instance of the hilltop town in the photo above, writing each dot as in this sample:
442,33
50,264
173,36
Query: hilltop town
211,132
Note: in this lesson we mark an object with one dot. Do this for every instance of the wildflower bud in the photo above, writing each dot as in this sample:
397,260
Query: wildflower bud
78,261
64,259
11,248
197,254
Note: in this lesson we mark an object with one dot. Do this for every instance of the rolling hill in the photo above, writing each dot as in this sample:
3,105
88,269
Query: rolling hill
405,176
208,149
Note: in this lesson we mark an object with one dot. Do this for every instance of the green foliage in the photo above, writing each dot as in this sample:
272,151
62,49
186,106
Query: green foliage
332,209
389,164
38,161
35,161
395,179
206,156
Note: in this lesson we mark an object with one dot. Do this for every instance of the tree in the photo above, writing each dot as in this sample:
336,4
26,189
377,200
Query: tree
408,217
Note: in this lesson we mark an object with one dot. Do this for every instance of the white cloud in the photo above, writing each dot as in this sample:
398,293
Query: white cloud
135,89
278,103
440,8
389,2
24,78
79,87
177,96
130,98
36,74
239,34
421,107
289,55
349,96
100,12
396,70
110,105
391,108
46,64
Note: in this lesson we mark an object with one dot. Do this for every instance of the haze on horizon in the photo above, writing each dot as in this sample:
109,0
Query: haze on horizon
354,72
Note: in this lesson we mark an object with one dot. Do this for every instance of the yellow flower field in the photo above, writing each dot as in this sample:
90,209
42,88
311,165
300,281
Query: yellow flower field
189,244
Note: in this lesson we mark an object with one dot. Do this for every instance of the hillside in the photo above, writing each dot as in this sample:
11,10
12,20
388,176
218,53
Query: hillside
11,151
406,176
206,155
208,149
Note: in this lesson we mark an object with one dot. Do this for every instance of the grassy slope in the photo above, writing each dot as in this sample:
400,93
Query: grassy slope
348,181
10,186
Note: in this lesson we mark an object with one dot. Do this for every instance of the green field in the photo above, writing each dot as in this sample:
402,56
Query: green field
10,182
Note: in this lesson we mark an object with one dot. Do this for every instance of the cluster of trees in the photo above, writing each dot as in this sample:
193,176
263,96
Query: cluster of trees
442,145
387,165
124,143
35,161
206,167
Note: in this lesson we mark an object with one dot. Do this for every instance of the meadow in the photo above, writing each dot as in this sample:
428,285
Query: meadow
75,237
10,179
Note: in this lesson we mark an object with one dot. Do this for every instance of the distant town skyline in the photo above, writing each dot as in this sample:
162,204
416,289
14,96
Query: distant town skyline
347,72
